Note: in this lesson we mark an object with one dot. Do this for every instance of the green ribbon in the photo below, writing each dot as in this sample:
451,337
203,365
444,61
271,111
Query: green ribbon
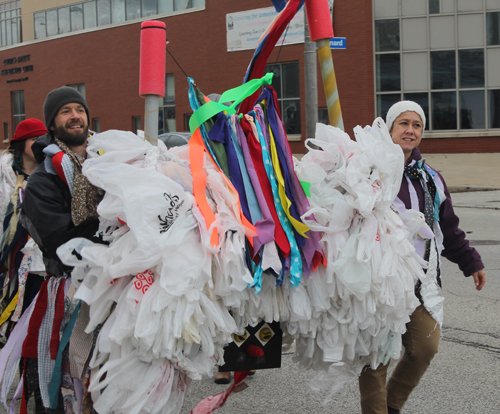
306,187
235,95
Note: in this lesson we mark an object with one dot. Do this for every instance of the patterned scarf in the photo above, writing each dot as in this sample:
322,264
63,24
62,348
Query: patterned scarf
85,196
431,201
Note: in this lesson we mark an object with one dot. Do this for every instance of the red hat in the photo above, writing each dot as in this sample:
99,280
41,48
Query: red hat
29,128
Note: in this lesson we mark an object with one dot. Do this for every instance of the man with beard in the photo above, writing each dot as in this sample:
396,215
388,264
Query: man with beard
59,205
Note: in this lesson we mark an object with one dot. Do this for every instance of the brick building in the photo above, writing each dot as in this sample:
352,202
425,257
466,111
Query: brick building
444,54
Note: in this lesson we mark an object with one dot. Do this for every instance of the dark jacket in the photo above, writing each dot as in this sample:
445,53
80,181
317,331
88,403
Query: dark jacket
46,212
456,246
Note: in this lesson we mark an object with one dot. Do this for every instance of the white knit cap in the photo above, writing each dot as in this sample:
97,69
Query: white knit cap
403,106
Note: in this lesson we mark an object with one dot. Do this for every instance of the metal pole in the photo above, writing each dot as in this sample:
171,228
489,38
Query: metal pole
151,118
311,82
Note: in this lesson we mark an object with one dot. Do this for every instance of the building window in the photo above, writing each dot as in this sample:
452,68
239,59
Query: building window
187,117
80,87
136,124
286,82
446,61
5,132
166,112
89,14
434,6
323,116
96,125
18,113
10,23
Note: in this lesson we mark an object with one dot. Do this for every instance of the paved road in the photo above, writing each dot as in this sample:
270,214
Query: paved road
464,377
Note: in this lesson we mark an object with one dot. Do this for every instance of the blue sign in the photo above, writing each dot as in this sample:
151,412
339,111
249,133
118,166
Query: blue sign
338,43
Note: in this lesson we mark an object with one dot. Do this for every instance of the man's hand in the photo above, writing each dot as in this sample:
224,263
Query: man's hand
479,279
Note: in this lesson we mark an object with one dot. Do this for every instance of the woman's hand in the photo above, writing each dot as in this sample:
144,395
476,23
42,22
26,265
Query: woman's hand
479,279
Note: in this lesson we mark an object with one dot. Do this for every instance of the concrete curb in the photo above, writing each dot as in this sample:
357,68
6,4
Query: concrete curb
470,189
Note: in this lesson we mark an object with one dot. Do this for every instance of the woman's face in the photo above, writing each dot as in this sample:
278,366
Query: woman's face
28,152
407,132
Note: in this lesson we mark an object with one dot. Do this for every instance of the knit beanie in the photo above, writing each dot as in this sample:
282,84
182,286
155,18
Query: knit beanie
59,97
403,106
29,128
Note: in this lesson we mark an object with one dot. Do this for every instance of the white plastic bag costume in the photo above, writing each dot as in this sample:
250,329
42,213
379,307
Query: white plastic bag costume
363,298
164,294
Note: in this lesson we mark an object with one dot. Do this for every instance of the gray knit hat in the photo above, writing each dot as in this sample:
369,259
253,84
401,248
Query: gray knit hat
59,97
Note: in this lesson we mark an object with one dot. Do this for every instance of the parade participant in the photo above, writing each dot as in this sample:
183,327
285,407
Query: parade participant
422,189
18,288
60,204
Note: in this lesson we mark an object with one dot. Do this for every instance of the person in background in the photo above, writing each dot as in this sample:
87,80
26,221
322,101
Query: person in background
422,189
21,267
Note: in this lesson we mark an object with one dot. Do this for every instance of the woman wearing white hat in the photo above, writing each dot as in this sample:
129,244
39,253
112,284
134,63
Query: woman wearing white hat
422,189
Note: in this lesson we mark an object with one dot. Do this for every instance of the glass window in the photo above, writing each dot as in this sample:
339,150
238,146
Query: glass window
291,116
472,111
103,12
423,100
276,83
386,35
96,125
323,116
52,27
17,108
287,85
165,6
434,7
76,12
384,102
15,31
89,14
494,108
133,9
443,70
181,4
136,124
444,110
197,3
118,11
493,28
388,72
471,68
492,4
148,8
63,17
166,113
40,25
8,28
291,81
3,34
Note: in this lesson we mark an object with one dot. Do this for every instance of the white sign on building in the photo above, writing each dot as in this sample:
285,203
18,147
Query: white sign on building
245,28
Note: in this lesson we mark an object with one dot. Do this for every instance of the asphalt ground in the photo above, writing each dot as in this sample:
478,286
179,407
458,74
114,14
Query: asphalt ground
464,377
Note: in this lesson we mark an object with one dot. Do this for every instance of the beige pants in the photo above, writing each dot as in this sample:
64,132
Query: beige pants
421,341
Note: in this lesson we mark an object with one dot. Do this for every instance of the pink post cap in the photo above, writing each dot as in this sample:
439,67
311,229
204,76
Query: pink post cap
319,19
152,61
